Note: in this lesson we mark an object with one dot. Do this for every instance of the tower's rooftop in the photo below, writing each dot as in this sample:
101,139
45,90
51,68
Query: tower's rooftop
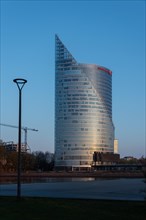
65,59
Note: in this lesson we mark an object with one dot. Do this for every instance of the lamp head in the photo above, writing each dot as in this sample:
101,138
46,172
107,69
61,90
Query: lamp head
20,82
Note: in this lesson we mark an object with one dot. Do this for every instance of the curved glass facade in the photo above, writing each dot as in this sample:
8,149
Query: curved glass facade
83,110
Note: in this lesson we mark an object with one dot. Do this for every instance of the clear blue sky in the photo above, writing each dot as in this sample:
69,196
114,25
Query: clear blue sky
108,33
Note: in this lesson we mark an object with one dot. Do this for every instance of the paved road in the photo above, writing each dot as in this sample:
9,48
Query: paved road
119,189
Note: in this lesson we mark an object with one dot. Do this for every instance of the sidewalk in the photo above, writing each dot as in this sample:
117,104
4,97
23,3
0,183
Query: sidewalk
119,189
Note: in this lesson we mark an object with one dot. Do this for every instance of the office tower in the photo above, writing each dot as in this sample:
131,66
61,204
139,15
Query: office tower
83,110
116,146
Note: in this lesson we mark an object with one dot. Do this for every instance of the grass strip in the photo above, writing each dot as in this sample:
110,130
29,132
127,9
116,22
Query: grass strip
12,208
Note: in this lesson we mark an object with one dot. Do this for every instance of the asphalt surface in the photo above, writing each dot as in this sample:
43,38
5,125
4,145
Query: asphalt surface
115,189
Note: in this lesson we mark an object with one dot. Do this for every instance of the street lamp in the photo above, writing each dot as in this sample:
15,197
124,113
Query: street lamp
20,83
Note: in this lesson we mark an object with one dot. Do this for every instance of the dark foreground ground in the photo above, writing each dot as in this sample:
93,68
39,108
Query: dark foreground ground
12,208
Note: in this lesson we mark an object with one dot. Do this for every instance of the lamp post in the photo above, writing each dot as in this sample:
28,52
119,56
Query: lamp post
20,83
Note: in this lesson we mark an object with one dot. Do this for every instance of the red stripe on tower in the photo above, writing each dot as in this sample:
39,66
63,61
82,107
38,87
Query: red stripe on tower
105,70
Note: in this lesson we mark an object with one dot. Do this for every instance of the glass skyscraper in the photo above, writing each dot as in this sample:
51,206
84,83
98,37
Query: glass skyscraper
83,110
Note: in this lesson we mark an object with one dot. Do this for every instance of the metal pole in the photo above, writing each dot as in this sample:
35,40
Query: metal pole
19,150
20,83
